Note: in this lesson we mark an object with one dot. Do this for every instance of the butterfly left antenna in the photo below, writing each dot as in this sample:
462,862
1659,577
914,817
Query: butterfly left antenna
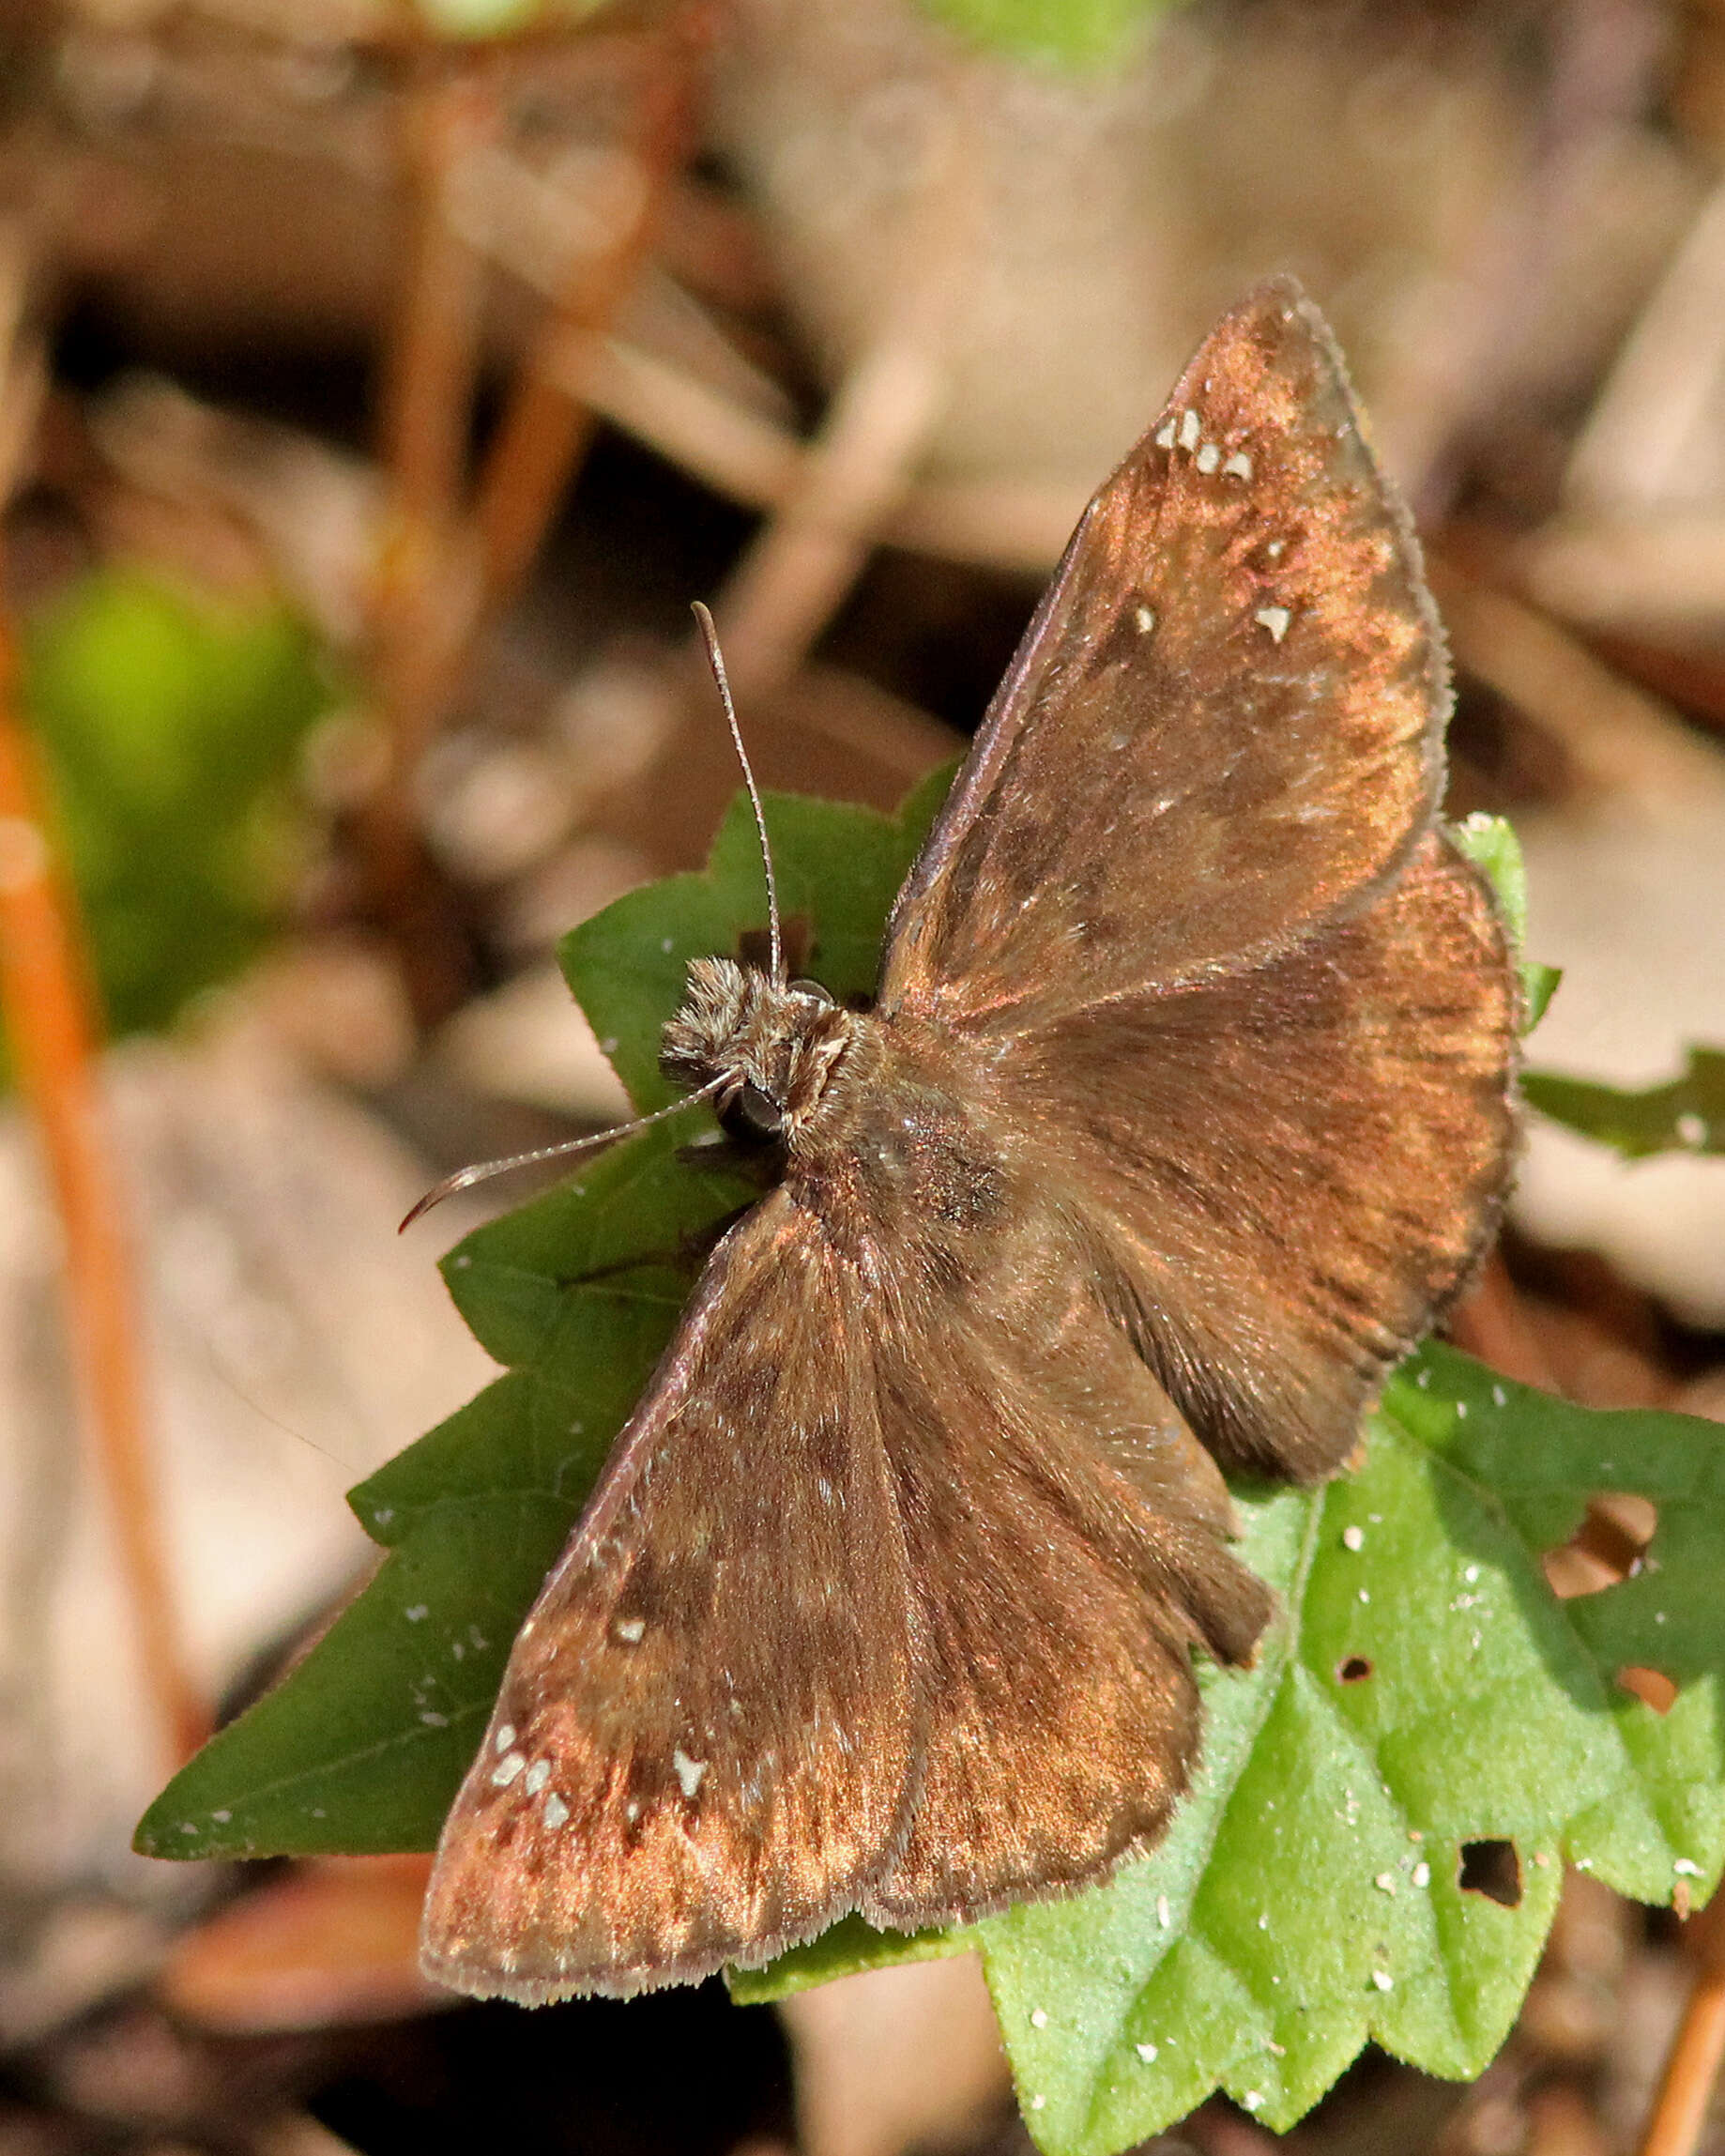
464,1178
715,659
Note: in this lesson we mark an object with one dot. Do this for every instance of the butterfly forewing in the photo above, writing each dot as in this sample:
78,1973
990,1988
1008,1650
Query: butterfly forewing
1225,721
705,1736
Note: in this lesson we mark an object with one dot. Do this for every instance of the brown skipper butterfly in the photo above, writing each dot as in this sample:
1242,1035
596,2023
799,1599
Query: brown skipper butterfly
1183,1108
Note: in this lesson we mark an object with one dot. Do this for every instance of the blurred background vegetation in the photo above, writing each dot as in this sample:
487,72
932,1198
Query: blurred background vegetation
379,381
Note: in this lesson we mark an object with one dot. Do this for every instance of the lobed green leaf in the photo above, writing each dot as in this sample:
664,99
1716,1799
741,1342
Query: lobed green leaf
1374,1844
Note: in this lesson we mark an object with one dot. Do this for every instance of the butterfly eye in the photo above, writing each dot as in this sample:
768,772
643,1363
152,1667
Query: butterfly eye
812,989
751,1116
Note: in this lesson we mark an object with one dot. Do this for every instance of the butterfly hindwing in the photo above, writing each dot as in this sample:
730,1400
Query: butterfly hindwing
1296,1167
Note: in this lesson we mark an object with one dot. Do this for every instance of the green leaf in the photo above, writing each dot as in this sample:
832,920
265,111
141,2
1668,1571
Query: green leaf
170,723
363,1746
1071,33
1425,1690
1490,841
1685,1114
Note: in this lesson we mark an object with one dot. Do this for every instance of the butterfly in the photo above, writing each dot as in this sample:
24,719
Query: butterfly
1185,1107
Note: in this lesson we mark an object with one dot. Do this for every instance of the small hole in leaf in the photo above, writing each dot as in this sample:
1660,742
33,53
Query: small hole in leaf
1355,1669
1492,1869
1652,1687
1606,1547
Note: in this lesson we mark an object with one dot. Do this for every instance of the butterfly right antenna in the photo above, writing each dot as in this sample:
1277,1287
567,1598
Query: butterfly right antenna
715,659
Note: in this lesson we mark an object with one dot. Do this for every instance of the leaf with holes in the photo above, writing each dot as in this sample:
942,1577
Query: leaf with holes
1376,1841
1687,1114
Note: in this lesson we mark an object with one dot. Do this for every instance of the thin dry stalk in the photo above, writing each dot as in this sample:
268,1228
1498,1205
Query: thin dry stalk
429,377
546,429
49,1004
1619,740
793,578
1692,2070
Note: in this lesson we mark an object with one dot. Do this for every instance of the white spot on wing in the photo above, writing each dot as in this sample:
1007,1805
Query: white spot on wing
1189,430
1165,434
557,1812
1239,466
689,1771
1146,618
507,1770
630,1630
537,1776
506,1737
1274,619
1209,457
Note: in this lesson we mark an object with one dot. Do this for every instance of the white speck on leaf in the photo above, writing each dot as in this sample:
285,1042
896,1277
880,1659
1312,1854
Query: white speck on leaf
1353,1538
418,1612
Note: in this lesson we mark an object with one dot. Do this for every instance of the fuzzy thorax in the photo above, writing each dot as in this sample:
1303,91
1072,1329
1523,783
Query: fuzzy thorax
772,1050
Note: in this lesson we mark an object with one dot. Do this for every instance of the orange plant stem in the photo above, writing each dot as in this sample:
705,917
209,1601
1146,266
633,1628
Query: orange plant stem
1692,2070
48,1004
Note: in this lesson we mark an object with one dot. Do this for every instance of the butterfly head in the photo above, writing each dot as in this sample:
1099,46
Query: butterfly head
768,1050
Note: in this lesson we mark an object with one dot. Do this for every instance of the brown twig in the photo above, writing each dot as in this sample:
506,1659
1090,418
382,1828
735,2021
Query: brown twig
429,378
793,577
48,1007
1692,2068
545,430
